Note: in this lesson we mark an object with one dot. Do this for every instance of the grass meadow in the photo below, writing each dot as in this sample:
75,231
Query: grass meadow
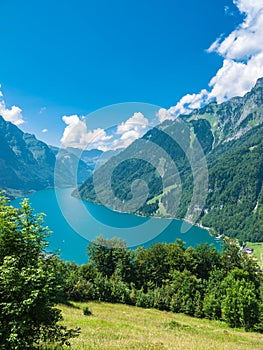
117,326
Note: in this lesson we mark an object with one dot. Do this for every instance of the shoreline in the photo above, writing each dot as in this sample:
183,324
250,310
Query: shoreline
197,224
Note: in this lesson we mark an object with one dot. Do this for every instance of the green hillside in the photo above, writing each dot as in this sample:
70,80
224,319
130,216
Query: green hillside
115,326
207,166
199,282
235,201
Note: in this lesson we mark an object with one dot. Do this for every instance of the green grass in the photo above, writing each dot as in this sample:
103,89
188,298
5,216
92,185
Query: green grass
258,251
115,326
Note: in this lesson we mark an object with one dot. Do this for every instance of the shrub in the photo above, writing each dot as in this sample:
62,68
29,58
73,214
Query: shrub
86,311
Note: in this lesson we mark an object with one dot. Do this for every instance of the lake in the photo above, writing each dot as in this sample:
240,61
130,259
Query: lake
74,223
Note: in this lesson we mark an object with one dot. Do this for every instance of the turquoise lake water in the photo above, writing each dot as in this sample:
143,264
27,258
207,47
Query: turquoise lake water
74,223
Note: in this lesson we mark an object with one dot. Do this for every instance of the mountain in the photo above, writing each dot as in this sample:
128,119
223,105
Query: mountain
28,164
206,165
88,156
76,166
235,200
84,161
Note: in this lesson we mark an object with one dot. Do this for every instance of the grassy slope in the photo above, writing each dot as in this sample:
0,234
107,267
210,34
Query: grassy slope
114,326
258,251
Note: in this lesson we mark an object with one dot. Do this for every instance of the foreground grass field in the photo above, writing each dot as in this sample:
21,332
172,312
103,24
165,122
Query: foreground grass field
114,326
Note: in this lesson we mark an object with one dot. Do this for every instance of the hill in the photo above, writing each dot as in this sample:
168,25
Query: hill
115,326
206,166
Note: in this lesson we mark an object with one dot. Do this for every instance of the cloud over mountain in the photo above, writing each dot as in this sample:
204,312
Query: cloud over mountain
77,134
242,53
14,114
242,65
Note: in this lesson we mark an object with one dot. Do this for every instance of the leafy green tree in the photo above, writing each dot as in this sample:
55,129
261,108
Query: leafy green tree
152,265
111,255
240,307
230,256
102,288
28,284
214,294
185,297
176,255
202,259
120,291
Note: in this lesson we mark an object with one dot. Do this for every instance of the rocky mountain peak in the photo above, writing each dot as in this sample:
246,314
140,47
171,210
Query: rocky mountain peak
259,82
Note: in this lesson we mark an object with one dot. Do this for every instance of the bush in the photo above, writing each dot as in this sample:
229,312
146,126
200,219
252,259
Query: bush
120,292
86,311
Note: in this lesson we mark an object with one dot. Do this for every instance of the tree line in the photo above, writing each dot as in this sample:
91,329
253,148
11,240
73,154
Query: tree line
200,281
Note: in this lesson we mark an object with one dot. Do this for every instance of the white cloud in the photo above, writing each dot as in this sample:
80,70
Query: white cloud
76,133
165,114
74,130
131,134
242,52
236,78
131,130
14,114
44,130
126,139
137,122
186,105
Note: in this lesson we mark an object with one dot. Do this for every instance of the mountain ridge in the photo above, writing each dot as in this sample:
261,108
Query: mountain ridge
28,164
226,133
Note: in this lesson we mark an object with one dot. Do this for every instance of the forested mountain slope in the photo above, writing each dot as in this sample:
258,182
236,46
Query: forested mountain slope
28,164
213,155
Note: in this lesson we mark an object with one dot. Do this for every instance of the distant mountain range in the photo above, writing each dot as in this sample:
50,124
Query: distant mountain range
28,165
173,164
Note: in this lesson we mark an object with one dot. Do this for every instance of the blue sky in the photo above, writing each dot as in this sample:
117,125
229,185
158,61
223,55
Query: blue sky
61,61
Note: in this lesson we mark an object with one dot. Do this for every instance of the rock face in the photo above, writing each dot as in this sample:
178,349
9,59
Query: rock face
230,136
28,164
231,119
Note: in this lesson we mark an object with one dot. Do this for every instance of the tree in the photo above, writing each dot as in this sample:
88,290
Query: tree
214,294
110,256
185,298
240,306
28,284
152,265
230,256
202,259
